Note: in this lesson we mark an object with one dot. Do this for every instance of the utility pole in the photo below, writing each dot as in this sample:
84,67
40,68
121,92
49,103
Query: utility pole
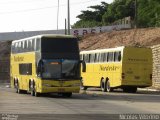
58,15
68,17
65,26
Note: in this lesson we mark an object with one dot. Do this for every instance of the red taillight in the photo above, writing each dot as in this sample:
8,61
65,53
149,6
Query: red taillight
123,75
150,76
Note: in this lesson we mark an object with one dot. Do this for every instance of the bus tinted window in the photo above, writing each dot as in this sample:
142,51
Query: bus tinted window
13,48
25,46
101,57
81,57
110,57
105,58
33,45
92,58
59,45
86,58
29,45
97,57
117,56
25,69
38,42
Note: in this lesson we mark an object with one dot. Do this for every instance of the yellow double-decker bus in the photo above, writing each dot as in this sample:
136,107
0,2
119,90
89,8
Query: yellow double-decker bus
121,67
46,64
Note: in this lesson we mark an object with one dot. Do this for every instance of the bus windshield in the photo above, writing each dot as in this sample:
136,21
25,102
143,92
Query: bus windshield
60,69
59,45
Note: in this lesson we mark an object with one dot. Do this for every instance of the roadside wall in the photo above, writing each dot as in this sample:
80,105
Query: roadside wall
156,66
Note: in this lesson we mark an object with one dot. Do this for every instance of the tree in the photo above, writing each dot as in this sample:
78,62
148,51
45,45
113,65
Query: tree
92,18
148,13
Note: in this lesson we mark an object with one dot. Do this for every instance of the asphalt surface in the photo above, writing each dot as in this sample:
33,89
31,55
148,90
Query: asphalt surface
90,104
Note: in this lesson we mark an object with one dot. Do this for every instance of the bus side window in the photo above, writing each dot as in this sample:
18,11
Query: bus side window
101,57
86,58
97,58
33,44
117,56
38,44
105,58
81,57
16,47
25,46
29,45
13,48
25,69
19,47
110,57
92,58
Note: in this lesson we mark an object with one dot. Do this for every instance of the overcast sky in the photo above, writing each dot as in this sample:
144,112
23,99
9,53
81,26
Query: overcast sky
30,15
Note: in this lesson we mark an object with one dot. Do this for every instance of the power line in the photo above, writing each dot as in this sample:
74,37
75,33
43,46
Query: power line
49,7
15,2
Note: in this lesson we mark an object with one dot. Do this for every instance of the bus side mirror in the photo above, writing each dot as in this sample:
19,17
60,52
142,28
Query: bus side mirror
83,65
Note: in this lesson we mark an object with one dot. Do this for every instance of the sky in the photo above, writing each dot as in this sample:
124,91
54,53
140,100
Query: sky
32,15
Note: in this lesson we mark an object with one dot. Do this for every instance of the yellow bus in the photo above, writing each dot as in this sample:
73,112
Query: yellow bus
45,64
121,67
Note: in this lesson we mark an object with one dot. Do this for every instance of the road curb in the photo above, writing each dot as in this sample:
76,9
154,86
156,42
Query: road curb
148,89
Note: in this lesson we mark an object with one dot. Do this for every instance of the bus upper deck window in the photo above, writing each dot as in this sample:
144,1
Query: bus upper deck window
110,57
92,58
117,56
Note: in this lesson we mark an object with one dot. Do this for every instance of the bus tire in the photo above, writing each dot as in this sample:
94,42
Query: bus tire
16,86
36,94
18,90
32,93
107,86
32,88
103,86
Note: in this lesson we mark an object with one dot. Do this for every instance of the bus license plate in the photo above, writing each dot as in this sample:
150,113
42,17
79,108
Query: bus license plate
61,90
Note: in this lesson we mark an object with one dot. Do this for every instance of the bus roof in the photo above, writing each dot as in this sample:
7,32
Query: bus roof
46,35
102,50
109,49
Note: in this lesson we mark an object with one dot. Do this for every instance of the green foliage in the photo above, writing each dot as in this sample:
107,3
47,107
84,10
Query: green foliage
148,13
91,18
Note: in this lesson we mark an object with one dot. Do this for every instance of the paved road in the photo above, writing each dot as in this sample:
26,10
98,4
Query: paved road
92,102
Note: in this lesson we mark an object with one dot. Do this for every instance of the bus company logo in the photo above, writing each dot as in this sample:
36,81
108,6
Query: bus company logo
18,59
109,68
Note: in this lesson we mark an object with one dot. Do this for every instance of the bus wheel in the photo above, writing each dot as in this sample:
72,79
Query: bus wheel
108,88
103,86
16,86
18,90
36,94
32,92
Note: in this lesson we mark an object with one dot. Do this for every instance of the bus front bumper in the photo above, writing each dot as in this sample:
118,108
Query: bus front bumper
60,89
